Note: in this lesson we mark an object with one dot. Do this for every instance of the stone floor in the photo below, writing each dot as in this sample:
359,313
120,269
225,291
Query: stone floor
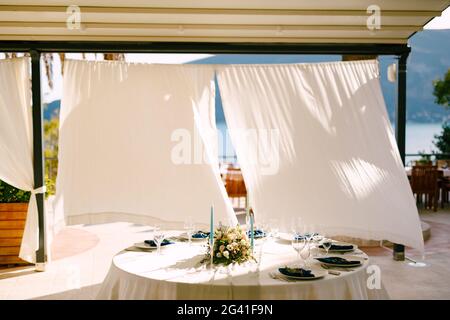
82,256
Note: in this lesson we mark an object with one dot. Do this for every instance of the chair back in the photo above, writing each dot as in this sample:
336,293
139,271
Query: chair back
424,179
443,163
234,183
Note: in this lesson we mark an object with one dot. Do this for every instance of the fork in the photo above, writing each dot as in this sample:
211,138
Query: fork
336,268
279,277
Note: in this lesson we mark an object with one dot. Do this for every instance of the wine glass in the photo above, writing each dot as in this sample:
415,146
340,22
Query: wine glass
273,228
189,227
326,244
296,226
305,254
158,237
298,243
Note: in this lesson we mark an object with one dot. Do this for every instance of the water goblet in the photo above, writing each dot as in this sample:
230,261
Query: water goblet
158,237
189,227
326,244
305,254
298,244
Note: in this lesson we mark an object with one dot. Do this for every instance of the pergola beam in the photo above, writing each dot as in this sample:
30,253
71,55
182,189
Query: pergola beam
206,47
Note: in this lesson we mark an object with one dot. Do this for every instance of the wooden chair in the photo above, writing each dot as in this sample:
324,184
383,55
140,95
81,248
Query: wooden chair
443,163
424,182
234,184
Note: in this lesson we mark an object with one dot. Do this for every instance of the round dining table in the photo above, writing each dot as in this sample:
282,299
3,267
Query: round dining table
179,272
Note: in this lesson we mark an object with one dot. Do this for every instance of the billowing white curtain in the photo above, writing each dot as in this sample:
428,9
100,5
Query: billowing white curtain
136,143
315,141
16,143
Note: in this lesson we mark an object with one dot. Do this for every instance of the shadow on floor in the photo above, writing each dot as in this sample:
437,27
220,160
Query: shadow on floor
84,293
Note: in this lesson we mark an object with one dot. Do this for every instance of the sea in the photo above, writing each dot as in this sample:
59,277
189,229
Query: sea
419,139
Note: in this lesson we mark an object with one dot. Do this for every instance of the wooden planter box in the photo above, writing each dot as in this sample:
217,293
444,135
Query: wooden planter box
12,224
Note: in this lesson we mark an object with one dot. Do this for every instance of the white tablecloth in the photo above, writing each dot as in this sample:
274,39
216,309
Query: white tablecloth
177,274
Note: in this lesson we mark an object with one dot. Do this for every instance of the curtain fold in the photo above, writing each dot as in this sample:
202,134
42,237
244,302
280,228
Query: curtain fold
16,143
137,144
315,141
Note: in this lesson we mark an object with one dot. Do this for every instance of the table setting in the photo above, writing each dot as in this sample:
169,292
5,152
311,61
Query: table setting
239,262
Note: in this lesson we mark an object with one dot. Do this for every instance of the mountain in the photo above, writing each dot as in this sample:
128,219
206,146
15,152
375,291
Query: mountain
429,60
51,109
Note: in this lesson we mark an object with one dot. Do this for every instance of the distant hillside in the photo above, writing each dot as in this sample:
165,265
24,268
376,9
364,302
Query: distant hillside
429,59
51,109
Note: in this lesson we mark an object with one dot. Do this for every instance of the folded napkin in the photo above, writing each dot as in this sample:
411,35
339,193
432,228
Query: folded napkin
304,236
152,243
338,260
339,247
257,233
296,272
200,235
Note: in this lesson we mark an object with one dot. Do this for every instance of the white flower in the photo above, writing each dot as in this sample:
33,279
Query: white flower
218,255
230,247
243,242
226,254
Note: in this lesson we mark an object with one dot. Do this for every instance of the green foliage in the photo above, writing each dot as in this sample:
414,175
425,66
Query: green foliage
424,158
9,194
51,153
442,141
442,90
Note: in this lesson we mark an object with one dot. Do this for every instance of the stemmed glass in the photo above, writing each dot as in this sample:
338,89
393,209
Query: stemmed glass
158,237
298,243
189,227
273,228
326,244
306,254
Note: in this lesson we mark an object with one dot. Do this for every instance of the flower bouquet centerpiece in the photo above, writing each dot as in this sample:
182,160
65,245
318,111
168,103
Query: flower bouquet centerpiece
231,245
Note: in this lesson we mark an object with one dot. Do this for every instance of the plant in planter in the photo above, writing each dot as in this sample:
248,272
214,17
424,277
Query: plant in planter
13,212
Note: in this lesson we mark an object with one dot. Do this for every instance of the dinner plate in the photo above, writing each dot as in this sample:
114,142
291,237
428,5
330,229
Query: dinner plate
287,237
347,257
143,245
341,250
318,273
186,237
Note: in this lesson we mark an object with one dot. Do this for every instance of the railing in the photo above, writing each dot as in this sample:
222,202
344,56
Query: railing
409,157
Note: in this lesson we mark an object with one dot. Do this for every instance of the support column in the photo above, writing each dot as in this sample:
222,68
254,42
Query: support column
400,129
38,161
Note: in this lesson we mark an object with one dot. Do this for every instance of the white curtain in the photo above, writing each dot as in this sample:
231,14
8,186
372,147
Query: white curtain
132,144
315,141
16,143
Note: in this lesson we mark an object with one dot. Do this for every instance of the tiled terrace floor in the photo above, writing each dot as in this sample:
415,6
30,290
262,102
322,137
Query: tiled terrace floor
82,256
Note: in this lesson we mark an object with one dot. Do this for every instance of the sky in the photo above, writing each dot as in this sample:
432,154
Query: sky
442,22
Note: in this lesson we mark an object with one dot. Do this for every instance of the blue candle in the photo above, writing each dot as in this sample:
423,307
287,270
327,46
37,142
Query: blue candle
211,231
252,234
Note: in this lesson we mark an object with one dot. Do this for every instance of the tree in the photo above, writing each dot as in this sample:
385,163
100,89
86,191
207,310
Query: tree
442,141
442,94
442,90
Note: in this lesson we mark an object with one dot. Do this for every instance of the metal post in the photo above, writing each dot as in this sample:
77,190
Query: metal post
38,162
400,129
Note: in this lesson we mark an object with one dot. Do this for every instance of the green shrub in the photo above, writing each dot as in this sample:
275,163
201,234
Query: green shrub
9,194
442,141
